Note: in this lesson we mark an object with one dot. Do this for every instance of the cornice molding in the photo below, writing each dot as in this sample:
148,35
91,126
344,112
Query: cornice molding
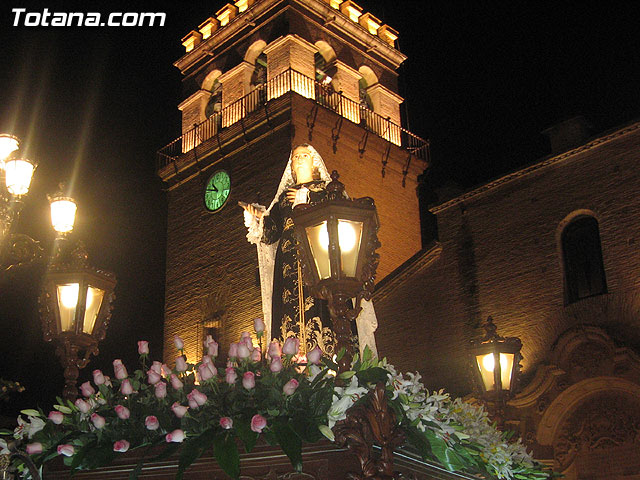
535,168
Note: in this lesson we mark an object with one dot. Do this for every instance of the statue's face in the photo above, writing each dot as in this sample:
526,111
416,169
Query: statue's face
302,164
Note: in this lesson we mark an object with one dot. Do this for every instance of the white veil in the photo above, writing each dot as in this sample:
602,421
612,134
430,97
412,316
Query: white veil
366,321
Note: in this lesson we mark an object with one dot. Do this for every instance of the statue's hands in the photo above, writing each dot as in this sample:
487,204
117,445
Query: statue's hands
252,210
291,194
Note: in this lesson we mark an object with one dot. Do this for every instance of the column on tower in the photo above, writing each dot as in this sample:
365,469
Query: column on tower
290,67
386,104
235,85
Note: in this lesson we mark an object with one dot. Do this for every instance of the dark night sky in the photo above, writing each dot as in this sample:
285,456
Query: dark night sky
93,105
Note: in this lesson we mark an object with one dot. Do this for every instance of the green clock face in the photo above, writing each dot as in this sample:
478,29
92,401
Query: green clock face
217,191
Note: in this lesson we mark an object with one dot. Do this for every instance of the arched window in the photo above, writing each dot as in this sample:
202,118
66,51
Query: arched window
214,105
584,274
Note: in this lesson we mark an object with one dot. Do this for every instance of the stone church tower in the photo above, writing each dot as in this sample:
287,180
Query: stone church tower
260,77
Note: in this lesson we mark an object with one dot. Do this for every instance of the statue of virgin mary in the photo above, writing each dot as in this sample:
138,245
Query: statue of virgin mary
288,308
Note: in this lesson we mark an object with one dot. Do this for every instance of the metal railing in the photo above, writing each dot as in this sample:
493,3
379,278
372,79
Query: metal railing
287,81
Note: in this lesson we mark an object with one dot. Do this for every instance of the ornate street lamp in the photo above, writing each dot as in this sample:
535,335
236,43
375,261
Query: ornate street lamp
495,362
338,239
75,307
15,176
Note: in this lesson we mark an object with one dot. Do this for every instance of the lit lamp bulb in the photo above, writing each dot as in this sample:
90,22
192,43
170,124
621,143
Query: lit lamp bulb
63,213
506,367
346,235
69,295
18,173
8,145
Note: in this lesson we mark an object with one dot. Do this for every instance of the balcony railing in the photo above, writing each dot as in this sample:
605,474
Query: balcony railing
287,81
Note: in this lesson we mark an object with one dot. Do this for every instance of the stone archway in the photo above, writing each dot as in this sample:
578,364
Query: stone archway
594,429
581,412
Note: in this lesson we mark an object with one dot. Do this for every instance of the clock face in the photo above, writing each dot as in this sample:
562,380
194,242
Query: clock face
217,191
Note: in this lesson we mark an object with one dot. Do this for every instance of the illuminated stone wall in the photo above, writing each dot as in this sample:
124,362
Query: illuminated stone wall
499,255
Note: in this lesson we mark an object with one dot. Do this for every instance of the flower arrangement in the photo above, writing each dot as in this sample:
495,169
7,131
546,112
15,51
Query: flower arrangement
285,399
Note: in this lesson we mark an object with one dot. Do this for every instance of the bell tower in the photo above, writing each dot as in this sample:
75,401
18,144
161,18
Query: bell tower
259,77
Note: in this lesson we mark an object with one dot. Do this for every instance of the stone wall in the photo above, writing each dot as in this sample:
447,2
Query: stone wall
501,257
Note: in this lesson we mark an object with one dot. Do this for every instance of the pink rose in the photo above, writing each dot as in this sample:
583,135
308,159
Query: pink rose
248,380
86,389
126,388
119,369
83,406
179,410
181,364
34,448
290,387
66,450
156,366
121,446
165,370
244,335
243,351
233,350
226,423
248,342
151,422
274,349
198,397
291,346
314,356
153,377
231,375
175,382
97,420
206,371
122,412
179,343
258,422
177,436
56,417
255,355
276,365
160,390
258,325
211,345
143,347
98,377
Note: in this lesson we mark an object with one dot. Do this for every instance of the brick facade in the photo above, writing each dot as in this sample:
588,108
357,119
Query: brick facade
211,280
499,254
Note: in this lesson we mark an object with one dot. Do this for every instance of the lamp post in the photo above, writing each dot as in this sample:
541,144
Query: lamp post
337,240
15,175
75,307
495,362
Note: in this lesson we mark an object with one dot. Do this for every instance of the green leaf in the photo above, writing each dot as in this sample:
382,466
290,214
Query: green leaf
100,457
63,409
191,450
30,412
226,452
6,432
418,440
290,443
327,432
346,375
306,429
373,375
244,432
167,452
